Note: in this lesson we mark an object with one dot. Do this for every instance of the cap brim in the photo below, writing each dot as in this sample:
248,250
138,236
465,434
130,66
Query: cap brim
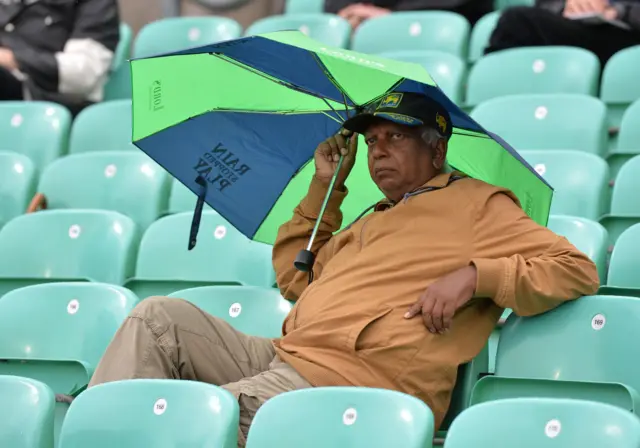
361,122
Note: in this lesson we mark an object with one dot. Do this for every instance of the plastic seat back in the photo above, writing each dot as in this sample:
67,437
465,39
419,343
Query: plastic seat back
124,181
342,417
446,69
624,265
620,85
586,235
181,199
26,413
118,85
533,70
17,184
326,28
39,130
480,35
628,140
304,7
422,30
250,309
625,207
544,422
546,121
102,127
222,256
147,413
67,245
579,181
178,33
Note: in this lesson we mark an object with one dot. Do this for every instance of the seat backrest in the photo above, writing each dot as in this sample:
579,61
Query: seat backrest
62,321
629,136
589,237
533,70
304,7
582,340
102,127
619,78
128,182
39,130
118,85
446,69
342,417
544,422
481,33
546,121
624,200
69,244
161,413
250,309
326,28
123,50
26,413
624,265
179,33
422,30
222,254
17,184
580,181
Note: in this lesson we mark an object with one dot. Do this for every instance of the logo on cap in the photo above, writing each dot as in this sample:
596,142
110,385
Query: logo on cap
391,100
441,122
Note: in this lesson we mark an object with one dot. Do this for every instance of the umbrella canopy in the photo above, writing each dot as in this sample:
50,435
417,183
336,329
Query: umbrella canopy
246,116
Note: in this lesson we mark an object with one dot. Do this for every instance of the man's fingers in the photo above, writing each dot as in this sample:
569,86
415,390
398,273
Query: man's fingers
447,316
414,309
436,316
427,311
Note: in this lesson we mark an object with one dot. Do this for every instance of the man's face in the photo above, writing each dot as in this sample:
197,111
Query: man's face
399,160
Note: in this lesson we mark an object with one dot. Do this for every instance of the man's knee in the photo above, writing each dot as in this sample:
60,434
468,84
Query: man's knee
151,306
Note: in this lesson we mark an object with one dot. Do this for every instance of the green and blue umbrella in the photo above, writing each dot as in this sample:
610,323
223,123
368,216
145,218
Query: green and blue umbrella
238,122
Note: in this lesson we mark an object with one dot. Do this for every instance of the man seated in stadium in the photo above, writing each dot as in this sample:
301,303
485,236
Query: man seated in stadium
400,298
557,22
58,51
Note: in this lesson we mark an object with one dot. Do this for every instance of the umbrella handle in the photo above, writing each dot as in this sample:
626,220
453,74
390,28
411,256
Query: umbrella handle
305,258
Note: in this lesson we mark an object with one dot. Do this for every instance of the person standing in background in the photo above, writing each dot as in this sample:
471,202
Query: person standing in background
58,51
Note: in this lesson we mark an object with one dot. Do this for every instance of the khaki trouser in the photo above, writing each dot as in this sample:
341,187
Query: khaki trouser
172,338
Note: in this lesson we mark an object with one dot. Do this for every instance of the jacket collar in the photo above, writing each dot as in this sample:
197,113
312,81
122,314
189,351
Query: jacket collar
439,181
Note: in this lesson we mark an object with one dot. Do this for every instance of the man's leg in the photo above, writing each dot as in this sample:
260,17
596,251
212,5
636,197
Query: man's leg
254,392
172,338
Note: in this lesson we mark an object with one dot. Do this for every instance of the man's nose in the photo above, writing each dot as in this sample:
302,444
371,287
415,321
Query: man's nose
380,150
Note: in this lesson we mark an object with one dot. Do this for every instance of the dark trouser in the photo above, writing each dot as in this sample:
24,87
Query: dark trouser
10,86
524,26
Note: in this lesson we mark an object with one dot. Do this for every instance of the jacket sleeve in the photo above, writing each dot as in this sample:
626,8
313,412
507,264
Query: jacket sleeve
293,236
524,266
629,13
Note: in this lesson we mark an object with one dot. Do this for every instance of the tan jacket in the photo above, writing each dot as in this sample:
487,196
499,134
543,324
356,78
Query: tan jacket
347,327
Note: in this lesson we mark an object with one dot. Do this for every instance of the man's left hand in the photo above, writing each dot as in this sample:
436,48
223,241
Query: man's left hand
357,13
7,60
440,301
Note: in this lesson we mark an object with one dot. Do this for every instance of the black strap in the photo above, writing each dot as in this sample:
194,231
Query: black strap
197,213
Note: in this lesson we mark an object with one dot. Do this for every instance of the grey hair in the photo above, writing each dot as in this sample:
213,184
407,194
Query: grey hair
431,136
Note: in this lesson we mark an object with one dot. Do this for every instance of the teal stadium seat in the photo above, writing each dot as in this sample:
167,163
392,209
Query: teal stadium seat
152,413
542,423
480,35
446,69
26,413
579,350
625,203
56,333
627,141
580,181
123,181
503,4
624,265
250,309
178,33
17,184
304,7
546,121
66,245
222,256
620,86
118,85
342,417
181,199
329,29
102,127
39,130
422,30
533,70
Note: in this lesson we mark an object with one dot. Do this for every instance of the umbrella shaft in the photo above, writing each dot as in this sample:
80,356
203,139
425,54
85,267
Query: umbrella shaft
325,202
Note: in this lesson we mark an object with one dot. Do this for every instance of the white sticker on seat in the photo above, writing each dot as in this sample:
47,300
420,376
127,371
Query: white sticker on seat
160,406
194,34
553,428
540,168
598,321
349,417
73,306
16,120
110,170
538,66
541,112
415,29
235,310
74,231
304,29
220,232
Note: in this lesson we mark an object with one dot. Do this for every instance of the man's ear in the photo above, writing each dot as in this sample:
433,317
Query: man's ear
440,154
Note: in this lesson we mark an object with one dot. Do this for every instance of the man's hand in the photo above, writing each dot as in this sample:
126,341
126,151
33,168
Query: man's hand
328,153
574,7
7,60
357,13
439,302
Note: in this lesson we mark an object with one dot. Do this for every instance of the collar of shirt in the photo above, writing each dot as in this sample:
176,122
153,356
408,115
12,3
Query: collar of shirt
439,181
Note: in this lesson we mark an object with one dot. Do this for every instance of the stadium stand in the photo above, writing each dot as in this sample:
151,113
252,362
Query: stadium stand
118,85
326,28
627,144
250,309
146,413
222,256
26,414
341,417
424,30
480,35
123,181
624,265
544,422
90,131
17,184
620,85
